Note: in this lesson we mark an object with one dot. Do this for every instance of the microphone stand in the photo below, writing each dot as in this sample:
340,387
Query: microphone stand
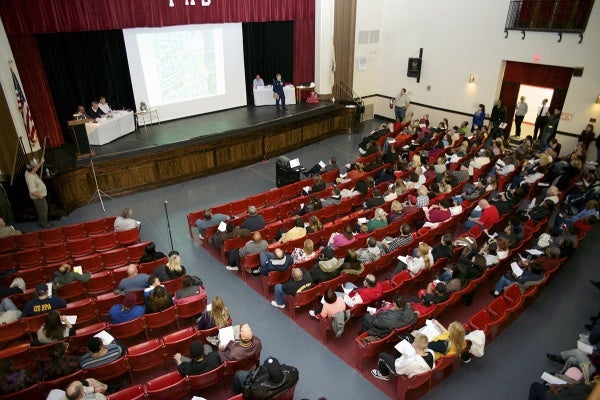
168,225
98,193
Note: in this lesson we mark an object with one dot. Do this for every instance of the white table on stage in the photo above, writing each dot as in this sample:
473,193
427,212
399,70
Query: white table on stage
110,127
263,95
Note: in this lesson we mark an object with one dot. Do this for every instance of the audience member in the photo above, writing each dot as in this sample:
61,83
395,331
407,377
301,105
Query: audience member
134,280
11,379
390,317
60,363
190,288
256,245
301,280
486,216
217,316
327,268
297,232
7,230
421,361
199,361
339,239
209,219
253,221
124,222
249,346
100,354
42,303
307,252
8,311
66,275
268,381
150,254
56,328
277,261
158,300
378,221
126,311
172,270
331,305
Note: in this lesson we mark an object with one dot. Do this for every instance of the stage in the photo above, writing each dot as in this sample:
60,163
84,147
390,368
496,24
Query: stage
183,149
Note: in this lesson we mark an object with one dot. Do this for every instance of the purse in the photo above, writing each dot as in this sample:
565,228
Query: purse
275,96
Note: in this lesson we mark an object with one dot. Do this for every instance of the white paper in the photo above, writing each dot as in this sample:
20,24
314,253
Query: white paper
49,289
430,330
209,307
534,252
405,348
295,163
71,318
391,140
343,175
585,347
78,269
551,379
226,335
371,310
307,188
362,221
348,287
403,259
222,226
423,168
517,271
106,337
322,164
503,125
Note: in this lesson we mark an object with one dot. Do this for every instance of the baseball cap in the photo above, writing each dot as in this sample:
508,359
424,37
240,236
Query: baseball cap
41,289
129,299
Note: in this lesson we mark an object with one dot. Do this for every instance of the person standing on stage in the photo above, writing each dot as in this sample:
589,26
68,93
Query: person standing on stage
401,103
541,119
278,91
497,117
37,192
258,82
103,105
520,115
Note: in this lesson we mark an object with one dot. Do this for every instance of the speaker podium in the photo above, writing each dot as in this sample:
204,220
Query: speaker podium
77,128
284,174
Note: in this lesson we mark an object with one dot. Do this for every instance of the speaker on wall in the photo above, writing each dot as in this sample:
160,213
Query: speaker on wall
414,67
578,71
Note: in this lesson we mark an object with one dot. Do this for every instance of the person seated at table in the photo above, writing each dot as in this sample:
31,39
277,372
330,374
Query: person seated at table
94,111
81,113
103,105
258,82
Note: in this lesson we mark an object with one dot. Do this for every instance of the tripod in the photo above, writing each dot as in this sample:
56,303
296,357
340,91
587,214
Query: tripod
97,193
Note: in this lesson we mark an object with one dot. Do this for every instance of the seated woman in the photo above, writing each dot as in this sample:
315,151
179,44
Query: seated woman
360,188
450,341
352,264
423,261
60,363
318,184
297,232
378,221
55,328
422,360
338,239
150,253
158,300
190,288
218,316
314,225
307,252
332,305
172,270
396,212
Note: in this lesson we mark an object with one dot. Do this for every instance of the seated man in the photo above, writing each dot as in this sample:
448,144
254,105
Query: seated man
406,237
317,169
16,286
258,81
327,268
277,261
370,253
370,292
8,311
267,381
297,232
386,319
482,159
531,273
94,111
422,360
300,281
199,363
103,105
253,221
134,280
209,220
100,354
256,245
249,346
124,222
334,200
127,311
376,200
42,303
88,388
486,216
438,212
66,275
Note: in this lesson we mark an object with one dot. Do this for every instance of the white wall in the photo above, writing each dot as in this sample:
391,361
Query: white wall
463,37
324,23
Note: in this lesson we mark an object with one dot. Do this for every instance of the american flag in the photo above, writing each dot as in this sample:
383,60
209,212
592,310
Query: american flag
24,109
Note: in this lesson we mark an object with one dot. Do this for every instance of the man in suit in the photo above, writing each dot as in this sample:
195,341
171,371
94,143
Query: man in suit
278,85
541,119
95,111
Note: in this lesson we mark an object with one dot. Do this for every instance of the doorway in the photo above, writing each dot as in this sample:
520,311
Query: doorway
533,97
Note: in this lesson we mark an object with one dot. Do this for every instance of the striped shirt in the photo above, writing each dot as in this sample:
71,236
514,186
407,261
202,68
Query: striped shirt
113,352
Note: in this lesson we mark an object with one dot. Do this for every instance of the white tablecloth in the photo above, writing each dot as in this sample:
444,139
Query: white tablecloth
111,127
263,95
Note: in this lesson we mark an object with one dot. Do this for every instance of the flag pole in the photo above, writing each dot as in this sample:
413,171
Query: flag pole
10,62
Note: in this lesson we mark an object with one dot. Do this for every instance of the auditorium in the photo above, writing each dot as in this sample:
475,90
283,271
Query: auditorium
259,163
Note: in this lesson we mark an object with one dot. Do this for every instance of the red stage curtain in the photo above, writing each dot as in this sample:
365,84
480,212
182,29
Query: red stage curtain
35,16
36,88
304,51
24,18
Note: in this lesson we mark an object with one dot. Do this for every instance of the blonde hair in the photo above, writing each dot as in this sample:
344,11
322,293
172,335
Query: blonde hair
380,214
174,263
456,337
421,341
309,246
315,224
400,185
219,312
396,206
424,254
416,160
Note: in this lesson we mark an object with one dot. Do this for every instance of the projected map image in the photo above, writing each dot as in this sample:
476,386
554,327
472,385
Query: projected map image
182,65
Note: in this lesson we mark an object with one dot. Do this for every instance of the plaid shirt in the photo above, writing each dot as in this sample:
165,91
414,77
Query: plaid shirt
400,241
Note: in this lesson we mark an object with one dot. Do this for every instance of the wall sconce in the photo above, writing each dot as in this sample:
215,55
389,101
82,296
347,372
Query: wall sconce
472,78
598,99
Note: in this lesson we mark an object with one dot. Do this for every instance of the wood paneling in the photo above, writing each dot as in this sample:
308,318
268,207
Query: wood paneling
188,161
343,40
